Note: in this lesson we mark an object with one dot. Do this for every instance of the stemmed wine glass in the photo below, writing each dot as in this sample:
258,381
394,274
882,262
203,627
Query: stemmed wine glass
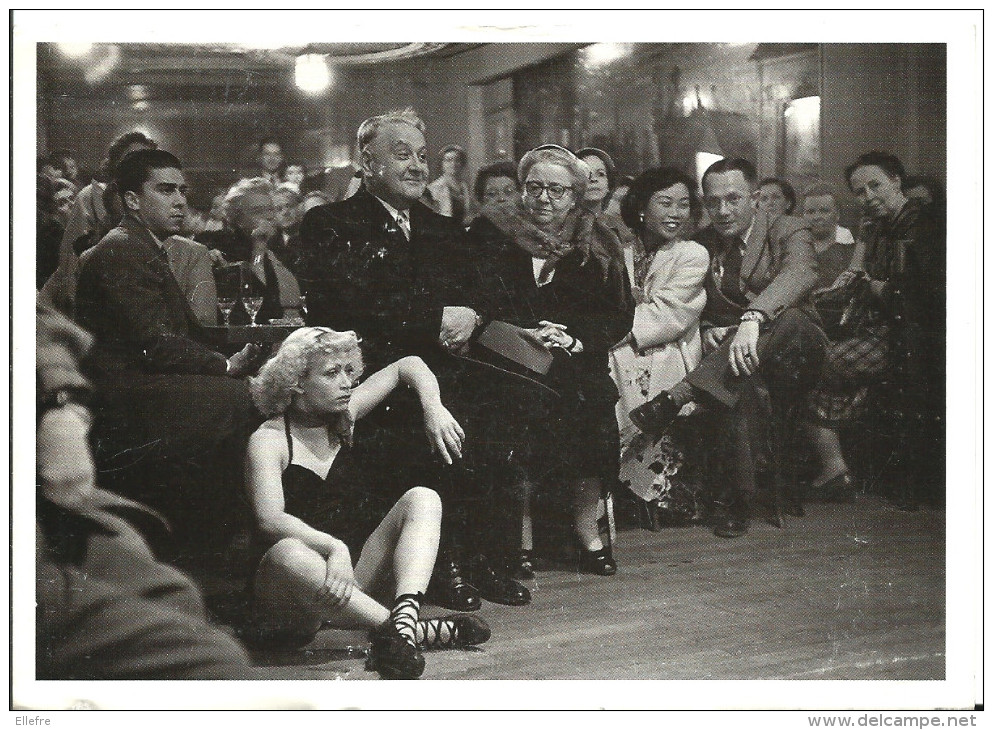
251,296
227,295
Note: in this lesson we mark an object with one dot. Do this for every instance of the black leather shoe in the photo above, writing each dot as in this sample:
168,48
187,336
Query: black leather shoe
656,415
392,655
449,589
462,631
730,525
839,489
494,587
521,566
598,562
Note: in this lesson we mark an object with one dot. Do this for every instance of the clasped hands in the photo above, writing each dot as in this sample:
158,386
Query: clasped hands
551,334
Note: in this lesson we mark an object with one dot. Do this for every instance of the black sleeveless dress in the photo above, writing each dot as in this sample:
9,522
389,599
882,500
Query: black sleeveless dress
340,504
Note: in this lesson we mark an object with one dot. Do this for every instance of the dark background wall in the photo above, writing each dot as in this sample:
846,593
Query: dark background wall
650,104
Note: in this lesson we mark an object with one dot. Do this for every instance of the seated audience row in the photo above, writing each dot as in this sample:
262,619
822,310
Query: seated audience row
543,340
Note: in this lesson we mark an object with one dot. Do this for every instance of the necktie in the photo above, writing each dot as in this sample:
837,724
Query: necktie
403,220
732,270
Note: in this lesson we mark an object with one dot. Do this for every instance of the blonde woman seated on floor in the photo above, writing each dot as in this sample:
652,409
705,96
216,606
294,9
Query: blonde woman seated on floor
326,549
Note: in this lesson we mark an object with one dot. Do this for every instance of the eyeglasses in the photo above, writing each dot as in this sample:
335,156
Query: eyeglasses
554,190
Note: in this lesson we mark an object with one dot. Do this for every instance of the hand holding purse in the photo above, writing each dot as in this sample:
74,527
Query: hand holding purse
844,306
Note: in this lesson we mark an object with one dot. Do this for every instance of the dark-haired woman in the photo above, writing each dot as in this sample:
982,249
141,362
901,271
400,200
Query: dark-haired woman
899,329
667,279
599,191
496,187
776,197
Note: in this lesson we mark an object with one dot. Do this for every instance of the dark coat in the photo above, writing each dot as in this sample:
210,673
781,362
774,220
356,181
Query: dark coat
105,607
128,297
574,435
360,273
594,304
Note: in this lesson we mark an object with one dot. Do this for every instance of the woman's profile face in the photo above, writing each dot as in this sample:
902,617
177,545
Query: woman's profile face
668,213
878,193
326,387
548,194
596,189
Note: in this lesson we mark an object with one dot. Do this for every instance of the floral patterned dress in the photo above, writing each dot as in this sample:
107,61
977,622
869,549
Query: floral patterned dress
663,347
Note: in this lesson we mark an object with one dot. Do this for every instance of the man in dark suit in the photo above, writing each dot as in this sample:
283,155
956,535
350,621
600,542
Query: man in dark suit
173,417
759,333
386,266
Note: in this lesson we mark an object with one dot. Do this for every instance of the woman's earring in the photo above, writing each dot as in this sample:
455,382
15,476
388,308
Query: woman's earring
641,217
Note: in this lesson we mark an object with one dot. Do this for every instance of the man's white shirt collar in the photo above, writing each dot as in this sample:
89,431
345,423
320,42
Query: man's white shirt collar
748,232
402,218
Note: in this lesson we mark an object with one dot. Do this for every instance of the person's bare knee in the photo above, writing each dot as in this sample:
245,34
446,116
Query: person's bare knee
422,501
293,558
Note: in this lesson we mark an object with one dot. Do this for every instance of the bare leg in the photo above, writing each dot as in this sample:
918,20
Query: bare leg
828,448
586,506
404,545
286,589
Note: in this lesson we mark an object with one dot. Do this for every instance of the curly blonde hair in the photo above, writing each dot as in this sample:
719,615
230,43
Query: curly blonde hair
273,388
245,186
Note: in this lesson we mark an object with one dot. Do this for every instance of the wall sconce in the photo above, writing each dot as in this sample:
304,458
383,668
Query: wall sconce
311,73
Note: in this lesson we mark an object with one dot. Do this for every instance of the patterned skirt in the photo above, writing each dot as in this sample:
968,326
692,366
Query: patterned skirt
850,367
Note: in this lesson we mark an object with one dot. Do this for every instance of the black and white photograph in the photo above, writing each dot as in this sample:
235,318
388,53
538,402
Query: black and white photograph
620,347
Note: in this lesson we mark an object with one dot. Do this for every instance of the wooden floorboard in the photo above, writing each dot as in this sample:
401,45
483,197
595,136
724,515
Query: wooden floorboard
847,592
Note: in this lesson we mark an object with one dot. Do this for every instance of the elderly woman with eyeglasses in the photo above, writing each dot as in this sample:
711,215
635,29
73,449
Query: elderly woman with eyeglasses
547,265
326,552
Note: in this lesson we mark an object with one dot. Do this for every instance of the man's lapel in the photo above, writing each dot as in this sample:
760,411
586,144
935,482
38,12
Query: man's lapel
753,248
382,223
156,258
152,254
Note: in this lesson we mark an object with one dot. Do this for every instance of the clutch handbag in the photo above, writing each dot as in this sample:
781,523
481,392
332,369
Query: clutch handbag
512,351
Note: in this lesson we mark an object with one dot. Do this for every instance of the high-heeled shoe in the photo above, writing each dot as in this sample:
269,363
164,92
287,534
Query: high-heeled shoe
598,562
521,566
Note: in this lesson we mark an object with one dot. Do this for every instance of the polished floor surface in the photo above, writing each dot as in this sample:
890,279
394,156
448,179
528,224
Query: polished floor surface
847,592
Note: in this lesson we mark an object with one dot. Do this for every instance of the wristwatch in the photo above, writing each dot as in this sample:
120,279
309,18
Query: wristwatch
753,315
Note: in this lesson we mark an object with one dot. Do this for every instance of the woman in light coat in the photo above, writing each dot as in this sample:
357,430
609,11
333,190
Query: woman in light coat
667,273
